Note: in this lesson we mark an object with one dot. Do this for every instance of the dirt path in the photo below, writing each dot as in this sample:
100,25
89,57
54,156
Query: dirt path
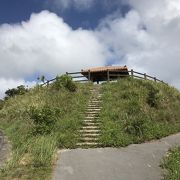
135,162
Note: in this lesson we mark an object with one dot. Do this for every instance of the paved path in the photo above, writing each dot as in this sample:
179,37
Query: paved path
135,162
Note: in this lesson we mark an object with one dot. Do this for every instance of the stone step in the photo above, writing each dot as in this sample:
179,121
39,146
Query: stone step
89,131
91,117
90,127
90,134
93,109
91,123
92,112
89,139
88,144
94,106
94,101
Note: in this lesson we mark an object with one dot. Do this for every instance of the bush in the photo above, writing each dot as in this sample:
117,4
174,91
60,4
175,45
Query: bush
66,82
153,99
44,119
1,104
20,90
136,126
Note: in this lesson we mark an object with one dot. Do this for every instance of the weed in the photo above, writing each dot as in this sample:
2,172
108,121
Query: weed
172,164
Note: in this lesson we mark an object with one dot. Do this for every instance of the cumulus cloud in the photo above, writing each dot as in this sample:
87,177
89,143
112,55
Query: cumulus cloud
47,45
147,38
66,4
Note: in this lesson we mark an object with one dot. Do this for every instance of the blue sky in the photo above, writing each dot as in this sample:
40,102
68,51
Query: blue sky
50,37
20,10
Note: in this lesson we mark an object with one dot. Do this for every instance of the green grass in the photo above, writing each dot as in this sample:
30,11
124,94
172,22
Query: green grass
45,119
172,165
135,111
34,144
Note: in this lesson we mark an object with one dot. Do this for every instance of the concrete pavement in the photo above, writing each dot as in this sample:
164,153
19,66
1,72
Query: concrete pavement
135,162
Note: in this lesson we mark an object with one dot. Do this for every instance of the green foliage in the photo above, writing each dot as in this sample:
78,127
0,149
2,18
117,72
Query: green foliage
39,122
1,104
172,165
66,82
43,149
137,110
153,98
44,119
41,78
136,125
20,90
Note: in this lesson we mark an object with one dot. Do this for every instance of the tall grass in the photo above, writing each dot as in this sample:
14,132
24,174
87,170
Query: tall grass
135,111
172,165
39,122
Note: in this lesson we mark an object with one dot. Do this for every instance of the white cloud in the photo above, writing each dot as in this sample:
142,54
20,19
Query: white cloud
65,4
147,38
11,83
47,45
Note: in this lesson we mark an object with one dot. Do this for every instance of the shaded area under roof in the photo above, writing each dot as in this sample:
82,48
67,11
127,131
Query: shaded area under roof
103,73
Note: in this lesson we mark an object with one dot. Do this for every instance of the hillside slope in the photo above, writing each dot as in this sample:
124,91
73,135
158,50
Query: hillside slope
47,118
39,122
135,111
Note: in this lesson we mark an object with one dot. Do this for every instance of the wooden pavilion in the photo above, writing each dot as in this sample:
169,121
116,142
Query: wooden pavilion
105,73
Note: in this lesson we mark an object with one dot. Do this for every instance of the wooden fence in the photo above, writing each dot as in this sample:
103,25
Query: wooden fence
111,76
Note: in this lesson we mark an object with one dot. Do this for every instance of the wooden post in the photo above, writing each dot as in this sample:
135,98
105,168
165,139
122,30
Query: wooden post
47,83
66,73
145,76
108,75
132,73
89,75
155,79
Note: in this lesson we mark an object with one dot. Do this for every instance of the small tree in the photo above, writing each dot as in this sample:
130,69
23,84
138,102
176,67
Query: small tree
66,82
20,90
42,78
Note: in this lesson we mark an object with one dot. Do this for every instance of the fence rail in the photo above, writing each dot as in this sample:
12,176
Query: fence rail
78,77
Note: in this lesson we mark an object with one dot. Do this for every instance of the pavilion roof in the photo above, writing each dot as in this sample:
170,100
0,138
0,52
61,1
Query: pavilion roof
106,68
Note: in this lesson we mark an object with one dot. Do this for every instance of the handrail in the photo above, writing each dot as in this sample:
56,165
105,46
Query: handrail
111,73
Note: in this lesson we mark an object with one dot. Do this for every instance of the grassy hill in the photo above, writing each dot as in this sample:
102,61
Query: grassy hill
135,111
47,118
39,122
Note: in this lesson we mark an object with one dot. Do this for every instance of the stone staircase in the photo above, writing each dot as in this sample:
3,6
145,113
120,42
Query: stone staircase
90,130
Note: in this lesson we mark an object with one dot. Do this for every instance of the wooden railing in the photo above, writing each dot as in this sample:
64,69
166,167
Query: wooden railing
111,75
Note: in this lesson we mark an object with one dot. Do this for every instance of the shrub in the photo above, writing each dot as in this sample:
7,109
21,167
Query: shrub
44,119
136,126
153,98
66,82
1,104
20,90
